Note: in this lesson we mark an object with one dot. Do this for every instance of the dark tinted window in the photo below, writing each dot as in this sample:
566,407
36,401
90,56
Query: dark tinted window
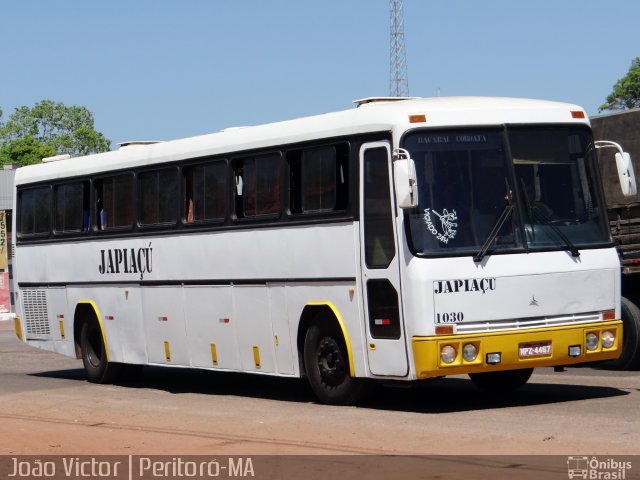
258,185
378,227
384,312
34,211
158,196
206,192
318,179
114,201
72,207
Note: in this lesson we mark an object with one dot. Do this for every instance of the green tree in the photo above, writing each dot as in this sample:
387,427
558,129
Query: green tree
49,128
626,91
25,151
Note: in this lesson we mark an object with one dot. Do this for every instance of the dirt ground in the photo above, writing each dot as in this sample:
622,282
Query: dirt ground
47,407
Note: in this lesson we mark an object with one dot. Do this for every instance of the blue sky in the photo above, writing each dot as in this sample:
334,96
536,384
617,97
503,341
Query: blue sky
157,70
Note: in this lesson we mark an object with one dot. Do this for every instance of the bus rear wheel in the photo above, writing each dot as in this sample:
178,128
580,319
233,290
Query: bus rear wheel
501,382
326,362
94,355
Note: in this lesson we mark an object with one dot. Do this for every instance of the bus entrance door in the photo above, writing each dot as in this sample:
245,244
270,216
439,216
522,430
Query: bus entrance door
386,347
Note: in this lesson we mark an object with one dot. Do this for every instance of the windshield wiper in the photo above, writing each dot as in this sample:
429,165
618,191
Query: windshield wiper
547,222
504,216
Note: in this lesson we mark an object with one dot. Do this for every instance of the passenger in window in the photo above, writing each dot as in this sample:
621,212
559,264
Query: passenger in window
86,221
102,217
190,216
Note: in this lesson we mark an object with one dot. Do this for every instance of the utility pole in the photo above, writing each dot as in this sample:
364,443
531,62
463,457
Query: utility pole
399,79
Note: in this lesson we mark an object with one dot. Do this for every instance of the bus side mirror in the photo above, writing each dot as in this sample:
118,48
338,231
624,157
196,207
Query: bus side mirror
626,175
625,168
406,183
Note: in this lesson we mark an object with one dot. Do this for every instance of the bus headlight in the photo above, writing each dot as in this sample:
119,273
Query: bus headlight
607,339
448,354
592,341
469,352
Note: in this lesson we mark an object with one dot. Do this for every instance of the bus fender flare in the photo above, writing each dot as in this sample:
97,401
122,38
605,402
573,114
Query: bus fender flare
343,329
80,316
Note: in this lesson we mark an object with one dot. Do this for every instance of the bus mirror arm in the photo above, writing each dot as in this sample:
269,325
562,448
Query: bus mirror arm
405,179
624,165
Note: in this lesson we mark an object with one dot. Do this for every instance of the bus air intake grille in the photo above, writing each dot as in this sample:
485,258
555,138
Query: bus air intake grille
526,323
35,313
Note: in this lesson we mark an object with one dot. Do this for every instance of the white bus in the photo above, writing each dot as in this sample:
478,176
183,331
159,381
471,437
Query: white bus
399,240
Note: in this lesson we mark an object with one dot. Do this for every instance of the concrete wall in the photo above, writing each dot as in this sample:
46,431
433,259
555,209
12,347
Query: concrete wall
6,189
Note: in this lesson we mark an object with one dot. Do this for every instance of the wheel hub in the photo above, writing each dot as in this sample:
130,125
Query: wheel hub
94,349
330,362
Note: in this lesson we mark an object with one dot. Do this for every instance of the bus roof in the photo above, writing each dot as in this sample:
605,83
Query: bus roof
371,115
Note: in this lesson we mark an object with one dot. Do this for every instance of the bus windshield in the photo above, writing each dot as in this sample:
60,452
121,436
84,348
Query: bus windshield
505,190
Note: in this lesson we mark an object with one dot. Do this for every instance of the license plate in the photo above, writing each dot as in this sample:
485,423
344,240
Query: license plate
532,350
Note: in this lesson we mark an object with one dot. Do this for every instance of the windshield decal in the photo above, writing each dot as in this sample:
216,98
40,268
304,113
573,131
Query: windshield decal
448,226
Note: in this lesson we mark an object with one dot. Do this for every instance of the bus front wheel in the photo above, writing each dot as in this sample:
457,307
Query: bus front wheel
630,355
503,381
94,355
327,366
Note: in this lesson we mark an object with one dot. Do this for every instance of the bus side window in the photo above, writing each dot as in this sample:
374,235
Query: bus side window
114,202
34,211
257,185
158,196
318,179
71,207
205,192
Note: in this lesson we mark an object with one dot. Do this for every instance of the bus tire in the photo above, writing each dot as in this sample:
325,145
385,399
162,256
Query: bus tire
503,381
629,358
327,366
94,355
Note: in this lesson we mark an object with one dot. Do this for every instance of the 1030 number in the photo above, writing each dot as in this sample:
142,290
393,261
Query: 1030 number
452,317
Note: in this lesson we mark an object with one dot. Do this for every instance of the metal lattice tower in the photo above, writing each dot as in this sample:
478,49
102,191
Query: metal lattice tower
398,79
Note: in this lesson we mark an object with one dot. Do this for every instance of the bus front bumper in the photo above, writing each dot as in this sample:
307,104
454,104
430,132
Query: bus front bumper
545,347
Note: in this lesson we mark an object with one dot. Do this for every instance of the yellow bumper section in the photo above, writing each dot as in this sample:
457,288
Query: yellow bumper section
529,348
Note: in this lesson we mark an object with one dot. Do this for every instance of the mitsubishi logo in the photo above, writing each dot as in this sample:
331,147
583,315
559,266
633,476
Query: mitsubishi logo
533,302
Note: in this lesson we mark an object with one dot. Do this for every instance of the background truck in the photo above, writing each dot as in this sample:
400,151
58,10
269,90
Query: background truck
624,220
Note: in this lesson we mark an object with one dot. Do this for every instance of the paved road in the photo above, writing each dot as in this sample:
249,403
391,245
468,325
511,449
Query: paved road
47,407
